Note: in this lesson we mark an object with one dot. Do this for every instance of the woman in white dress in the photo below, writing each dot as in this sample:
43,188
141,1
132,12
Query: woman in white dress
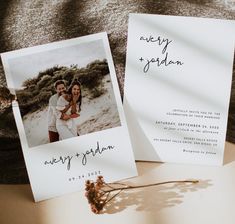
68,108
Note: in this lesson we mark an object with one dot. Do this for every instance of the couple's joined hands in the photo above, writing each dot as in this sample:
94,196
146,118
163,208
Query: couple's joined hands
74,115
67,117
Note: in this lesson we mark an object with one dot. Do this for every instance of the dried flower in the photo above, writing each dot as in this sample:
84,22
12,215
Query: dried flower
95,195
99,193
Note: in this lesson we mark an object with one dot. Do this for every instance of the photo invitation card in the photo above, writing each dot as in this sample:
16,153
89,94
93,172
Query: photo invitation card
177,87
69,114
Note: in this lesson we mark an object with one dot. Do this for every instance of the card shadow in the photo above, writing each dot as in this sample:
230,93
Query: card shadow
229,153
145,167
142,148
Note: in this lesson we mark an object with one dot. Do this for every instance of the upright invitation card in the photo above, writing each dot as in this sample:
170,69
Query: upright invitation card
177,87
69,114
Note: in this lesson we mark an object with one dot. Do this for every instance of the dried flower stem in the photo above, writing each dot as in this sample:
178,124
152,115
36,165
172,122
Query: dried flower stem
128,187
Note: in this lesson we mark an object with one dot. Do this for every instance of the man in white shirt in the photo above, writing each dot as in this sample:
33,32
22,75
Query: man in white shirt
60,87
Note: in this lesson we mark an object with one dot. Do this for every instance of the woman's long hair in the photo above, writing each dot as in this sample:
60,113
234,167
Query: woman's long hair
74,83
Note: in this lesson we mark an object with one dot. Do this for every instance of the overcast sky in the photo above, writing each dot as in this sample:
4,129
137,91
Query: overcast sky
29,66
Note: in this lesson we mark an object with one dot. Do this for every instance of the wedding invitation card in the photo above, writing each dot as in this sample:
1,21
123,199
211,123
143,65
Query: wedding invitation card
177,87
69,114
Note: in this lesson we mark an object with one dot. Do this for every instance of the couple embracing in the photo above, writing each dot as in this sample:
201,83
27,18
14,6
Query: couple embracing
63,111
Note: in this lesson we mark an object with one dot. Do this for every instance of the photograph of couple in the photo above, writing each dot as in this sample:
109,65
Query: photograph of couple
64,92
63,110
